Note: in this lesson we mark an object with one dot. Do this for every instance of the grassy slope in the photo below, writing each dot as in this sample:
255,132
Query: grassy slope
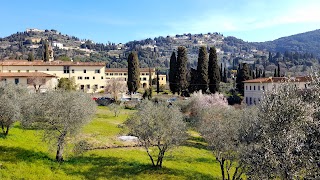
24,156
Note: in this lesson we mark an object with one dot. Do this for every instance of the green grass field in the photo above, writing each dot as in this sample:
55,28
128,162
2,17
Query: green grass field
23,155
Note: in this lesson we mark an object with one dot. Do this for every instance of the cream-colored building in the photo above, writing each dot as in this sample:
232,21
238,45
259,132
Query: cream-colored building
35,81
254,88
89,76
122,73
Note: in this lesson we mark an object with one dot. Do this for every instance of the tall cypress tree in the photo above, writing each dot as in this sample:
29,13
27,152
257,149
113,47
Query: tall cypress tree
133,73
275,73
279,70
46,52
242,75
225,75
173,73
221,75
202,69
213,71
182,61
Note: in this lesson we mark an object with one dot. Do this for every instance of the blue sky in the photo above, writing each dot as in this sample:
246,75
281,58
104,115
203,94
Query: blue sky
125,20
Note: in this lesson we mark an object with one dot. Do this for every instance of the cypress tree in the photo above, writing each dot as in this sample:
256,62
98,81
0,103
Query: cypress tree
133,73
225,75
213,71
46,52
275,73
158,84
150,84
264,73
242,75
257,73
30,56
182,61
221,75
279,70
173,73
202,69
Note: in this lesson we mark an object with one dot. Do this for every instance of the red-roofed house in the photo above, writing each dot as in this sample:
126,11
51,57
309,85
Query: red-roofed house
254,88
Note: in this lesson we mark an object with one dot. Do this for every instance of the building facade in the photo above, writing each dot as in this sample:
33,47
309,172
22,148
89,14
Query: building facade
88,76
122,73
255,88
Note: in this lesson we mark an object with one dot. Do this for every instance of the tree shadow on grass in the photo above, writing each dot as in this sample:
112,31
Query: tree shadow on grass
116,168
15,154
196,142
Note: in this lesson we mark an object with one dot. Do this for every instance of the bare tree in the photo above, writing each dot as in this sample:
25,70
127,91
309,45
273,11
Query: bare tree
115,86
37,82
157,125
11,98
60,114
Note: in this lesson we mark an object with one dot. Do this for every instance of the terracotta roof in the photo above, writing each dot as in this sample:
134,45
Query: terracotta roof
51,63
25,74
279,79
126,69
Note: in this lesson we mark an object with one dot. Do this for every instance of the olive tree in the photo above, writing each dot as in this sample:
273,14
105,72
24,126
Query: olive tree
219,126
60,114
159,125
11,98
275,136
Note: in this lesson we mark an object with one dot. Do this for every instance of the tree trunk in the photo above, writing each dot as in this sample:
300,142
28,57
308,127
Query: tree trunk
7,131
150,157
2,127
60,149
222,168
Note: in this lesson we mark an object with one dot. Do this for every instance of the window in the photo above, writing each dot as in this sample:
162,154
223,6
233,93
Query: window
101,87
47,69
101,77
250,100
88,86
247,100
18,71
84,71
125,74
86,77
120,74
79,77
263,88
125,79
144,79
246,87
82,87
258,88
16,80
305,86
72,70
96,86
147,73
254,88
66,69
162,79
107,74
250,88
93,77
142,74
111,74
116,74
97,71
27,71
35,70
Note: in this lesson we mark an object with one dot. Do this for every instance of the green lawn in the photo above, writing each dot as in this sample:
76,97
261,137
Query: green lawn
23,155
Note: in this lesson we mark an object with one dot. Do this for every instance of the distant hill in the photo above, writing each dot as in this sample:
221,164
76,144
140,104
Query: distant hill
304,42
297,51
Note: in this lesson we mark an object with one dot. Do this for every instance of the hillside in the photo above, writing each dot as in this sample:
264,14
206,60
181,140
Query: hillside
157,51
304,42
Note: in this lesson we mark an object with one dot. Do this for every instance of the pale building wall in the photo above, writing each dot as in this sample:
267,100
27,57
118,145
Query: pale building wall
253,92
86,80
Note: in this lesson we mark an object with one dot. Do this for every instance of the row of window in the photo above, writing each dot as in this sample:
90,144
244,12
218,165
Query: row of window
251,101
66,70
87,77
87,87
254,88
124,74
